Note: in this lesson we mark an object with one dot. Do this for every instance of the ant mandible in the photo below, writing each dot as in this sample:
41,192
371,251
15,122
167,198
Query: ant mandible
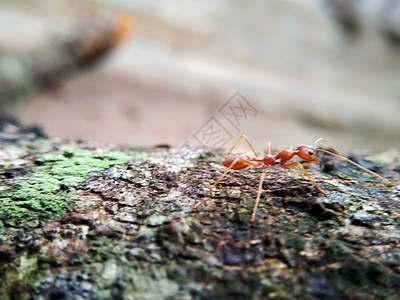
241,161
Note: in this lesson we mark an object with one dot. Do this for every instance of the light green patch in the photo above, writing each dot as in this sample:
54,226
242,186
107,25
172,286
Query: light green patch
190,220
53,181
380,159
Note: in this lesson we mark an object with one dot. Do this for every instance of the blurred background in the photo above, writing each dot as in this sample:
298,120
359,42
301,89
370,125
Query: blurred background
142,73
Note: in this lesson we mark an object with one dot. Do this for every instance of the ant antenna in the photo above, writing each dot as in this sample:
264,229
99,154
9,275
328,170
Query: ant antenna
355,164
326,142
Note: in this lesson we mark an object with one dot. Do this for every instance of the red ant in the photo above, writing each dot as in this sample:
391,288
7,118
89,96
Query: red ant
241,161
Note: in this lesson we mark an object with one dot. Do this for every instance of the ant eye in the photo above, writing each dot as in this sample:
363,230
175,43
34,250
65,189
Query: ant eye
310,152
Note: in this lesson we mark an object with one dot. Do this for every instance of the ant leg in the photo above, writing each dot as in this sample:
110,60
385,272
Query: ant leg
248,142
269,148
269,151
310,178
355,164
326,142
253,215
303,170
222,176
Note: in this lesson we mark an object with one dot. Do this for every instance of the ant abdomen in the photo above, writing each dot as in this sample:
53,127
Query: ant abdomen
239,160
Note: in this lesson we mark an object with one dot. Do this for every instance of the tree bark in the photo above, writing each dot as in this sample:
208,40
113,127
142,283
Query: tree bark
80,221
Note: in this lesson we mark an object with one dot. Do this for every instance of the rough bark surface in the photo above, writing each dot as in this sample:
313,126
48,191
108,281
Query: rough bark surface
79,221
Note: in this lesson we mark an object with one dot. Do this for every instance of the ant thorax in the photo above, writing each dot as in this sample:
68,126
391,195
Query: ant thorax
286,154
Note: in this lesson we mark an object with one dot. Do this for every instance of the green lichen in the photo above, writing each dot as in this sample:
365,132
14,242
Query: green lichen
378,159
52,184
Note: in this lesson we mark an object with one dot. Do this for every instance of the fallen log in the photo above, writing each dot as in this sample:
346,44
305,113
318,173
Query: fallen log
83,221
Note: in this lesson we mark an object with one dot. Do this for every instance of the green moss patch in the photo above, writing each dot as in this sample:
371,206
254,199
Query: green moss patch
52,184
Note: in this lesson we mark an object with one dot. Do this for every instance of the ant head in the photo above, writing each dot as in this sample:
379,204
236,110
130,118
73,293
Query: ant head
308,153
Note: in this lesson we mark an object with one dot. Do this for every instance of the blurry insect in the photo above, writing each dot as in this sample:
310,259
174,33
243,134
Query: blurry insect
100,35
123,26
241,161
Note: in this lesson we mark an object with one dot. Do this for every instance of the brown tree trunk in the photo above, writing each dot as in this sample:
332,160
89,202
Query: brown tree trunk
79,221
